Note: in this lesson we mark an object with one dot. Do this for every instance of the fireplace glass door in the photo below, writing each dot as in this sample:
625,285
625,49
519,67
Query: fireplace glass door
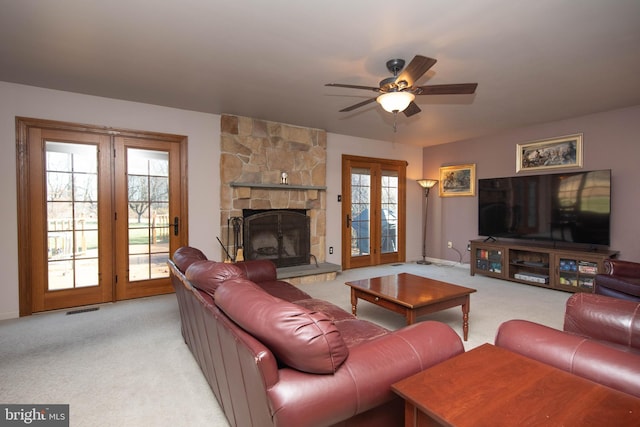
279,235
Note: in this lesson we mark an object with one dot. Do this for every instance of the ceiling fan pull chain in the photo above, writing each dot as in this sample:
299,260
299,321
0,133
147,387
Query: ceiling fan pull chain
395,117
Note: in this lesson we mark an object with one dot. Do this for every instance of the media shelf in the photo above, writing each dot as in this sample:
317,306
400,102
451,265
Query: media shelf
566,269
490,262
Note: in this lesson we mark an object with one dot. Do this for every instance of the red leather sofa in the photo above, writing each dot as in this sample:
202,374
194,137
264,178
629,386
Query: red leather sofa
274,356
621,279
600,341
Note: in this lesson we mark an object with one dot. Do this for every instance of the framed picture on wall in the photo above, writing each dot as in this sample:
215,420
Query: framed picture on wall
459,180
562,152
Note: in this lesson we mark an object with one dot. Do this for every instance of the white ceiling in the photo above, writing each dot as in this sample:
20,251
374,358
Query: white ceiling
534,61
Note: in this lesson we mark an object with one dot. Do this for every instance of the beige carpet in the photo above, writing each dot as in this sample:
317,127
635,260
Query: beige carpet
127,365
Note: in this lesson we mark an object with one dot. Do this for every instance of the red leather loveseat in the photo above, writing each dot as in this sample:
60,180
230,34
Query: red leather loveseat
274,356
600,341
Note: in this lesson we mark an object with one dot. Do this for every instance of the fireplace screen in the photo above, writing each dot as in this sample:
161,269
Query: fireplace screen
282,236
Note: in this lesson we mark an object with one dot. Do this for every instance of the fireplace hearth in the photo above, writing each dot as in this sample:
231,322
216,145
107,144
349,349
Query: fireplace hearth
280,235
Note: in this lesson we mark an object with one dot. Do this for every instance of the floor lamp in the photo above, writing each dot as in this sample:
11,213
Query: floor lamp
427,184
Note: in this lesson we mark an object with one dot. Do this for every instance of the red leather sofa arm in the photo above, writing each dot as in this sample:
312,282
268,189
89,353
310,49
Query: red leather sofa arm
578,355
617,267
604,318
621,279
364,380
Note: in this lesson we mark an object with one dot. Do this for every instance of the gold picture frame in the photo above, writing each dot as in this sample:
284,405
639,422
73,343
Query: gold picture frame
458,180
555,153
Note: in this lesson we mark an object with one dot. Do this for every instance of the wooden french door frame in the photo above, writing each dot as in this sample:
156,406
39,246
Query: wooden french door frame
127,286
41,142
377,168
27,202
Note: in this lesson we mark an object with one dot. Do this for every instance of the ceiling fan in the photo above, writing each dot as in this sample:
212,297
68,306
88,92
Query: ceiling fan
397,93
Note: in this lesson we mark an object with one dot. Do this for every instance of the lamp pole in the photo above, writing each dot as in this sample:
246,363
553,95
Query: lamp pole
427,184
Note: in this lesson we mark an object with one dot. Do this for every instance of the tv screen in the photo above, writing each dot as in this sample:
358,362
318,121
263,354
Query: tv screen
564,207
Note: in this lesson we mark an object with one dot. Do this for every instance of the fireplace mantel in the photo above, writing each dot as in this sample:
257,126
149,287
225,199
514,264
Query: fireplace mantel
277,186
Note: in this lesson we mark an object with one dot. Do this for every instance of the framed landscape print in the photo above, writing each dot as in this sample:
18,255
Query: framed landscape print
459,180
562,152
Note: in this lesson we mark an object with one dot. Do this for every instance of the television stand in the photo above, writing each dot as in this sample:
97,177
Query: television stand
539,264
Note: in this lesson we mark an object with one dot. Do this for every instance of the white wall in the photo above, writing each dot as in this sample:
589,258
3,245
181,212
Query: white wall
203,132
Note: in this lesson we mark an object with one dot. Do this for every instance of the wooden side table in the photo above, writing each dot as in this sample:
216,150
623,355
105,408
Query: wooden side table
491,386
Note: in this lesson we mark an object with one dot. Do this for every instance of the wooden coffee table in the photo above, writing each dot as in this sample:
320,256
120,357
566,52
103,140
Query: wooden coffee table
492,386
412,296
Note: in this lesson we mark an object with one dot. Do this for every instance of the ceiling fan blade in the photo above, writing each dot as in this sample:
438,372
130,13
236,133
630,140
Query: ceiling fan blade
416,68
375,89
412,109
358,105
453,89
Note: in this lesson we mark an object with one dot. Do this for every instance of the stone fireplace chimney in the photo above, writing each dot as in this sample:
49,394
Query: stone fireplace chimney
254,155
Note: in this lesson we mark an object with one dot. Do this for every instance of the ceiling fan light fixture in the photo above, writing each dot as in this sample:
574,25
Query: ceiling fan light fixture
395,101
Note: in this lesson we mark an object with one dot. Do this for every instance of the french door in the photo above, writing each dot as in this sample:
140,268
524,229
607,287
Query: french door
99,213
373,211
148,220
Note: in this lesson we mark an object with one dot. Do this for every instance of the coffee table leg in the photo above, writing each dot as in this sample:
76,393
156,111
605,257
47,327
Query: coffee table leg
411,317
354,302
465,317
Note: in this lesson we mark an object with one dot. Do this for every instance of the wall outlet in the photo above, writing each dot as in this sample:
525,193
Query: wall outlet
450,245
330,250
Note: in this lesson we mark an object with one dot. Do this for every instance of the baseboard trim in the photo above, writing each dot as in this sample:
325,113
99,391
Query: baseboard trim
9,315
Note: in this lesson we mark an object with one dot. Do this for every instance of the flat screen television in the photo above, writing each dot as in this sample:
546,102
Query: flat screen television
564,207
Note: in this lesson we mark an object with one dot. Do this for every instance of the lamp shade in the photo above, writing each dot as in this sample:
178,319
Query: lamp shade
395,101
427,183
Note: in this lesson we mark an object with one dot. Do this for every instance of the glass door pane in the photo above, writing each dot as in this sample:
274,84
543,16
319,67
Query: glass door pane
72,215
360,204
148,213
389,211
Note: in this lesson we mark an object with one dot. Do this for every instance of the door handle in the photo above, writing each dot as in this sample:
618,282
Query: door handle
348,221
176,227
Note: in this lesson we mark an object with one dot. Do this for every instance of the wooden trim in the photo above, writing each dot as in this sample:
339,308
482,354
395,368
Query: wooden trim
376,166
23,204
361,159
184,194
79,127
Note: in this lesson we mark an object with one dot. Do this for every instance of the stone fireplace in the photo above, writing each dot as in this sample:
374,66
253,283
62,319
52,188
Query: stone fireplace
254,155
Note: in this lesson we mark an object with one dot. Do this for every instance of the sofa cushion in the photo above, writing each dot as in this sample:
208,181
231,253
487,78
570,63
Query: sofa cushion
184,256
357,331
302,339
334,312
259,270
208,275
283,290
